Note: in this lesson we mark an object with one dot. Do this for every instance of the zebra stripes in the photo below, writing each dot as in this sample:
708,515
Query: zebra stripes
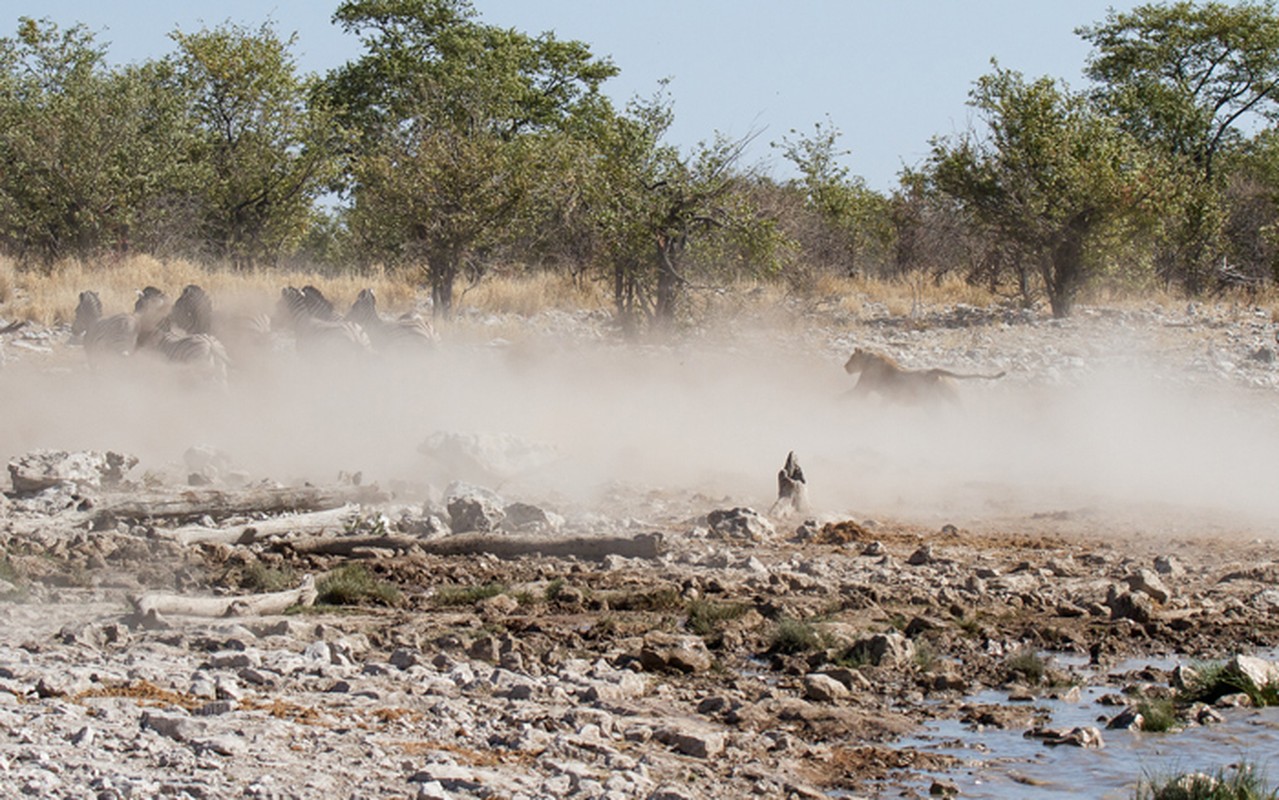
408,332
103,339
189,332
319,330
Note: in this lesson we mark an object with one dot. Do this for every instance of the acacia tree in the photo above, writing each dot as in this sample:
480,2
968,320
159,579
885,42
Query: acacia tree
85,149
262,153
1183,78
1048,177
856,218
654,209
455,119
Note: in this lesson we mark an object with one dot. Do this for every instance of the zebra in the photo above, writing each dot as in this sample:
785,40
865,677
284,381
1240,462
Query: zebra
200,352
318,328
113,337
409,331
192,312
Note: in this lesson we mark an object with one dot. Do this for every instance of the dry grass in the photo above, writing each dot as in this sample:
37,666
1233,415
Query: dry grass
49,297
531,292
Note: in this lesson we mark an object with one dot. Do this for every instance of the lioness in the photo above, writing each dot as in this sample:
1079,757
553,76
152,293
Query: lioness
881,374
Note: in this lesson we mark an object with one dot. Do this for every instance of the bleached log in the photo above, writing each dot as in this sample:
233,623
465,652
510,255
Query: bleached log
194,503
315,523
241,606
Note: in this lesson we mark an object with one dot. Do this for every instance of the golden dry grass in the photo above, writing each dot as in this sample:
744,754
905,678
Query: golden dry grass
49,297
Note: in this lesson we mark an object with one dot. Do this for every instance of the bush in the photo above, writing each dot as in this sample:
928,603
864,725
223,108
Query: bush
1027,664
1245,782
705,617
353,585
1157,715
794,636
467,595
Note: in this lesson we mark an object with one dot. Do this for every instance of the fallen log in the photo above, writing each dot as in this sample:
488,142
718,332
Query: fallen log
195,503
314,523
502,545
153,603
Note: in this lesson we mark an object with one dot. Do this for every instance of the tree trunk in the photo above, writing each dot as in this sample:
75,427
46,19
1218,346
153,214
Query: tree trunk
1066,265
667,281
443,273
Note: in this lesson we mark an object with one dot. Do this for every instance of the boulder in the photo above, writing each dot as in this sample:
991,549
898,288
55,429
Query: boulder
670,652
88,469
740,523
822,688
526,517
1258,671
1135,606
884,650
1148,582
472,508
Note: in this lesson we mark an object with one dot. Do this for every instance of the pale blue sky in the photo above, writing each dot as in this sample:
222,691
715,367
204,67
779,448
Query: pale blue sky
890,73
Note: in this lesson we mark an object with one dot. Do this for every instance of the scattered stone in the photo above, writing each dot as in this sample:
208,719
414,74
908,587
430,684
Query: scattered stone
884,649
1148,582
472,508
487,457
45,469
669,652
1169,565
526,517
1135,606
822,688
922,556
1086,737
741,523
691,741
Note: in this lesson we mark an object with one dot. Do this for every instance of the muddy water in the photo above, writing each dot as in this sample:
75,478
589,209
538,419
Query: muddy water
1005,765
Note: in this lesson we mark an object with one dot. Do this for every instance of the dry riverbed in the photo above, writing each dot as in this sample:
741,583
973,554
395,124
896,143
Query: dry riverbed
499,639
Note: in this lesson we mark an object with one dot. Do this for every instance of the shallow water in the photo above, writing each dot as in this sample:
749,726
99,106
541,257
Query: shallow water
1005,765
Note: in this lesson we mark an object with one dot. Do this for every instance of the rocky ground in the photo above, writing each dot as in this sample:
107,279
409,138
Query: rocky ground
677,647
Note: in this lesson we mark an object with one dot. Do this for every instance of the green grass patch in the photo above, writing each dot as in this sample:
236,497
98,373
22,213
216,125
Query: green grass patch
354,585
467,595
1158,715
1244,782
794,636
1027,665
1213,681
705,616
665,598
258,577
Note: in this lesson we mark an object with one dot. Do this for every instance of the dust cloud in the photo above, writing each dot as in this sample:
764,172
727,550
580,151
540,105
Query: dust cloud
717,420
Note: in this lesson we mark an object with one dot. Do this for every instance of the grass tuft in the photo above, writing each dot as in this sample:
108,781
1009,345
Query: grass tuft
794,636
467,595
705,617
1027,665
1242,782
354,585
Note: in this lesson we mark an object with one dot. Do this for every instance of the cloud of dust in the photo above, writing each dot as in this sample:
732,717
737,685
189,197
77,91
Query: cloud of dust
715,420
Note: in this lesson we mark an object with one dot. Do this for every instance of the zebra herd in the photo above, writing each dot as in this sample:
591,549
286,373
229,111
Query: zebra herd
189,332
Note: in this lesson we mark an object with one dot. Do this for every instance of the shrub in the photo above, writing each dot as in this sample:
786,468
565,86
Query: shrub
467,595
1245,782
1027,664
258,577
353,585
1157,715
705,616
794,636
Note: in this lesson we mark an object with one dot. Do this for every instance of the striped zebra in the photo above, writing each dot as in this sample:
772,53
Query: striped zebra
110,338
408,332
201,353
315,324
192,312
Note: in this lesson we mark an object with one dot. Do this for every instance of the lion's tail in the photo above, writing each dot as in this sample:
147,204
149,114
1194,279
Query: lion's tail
945,373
